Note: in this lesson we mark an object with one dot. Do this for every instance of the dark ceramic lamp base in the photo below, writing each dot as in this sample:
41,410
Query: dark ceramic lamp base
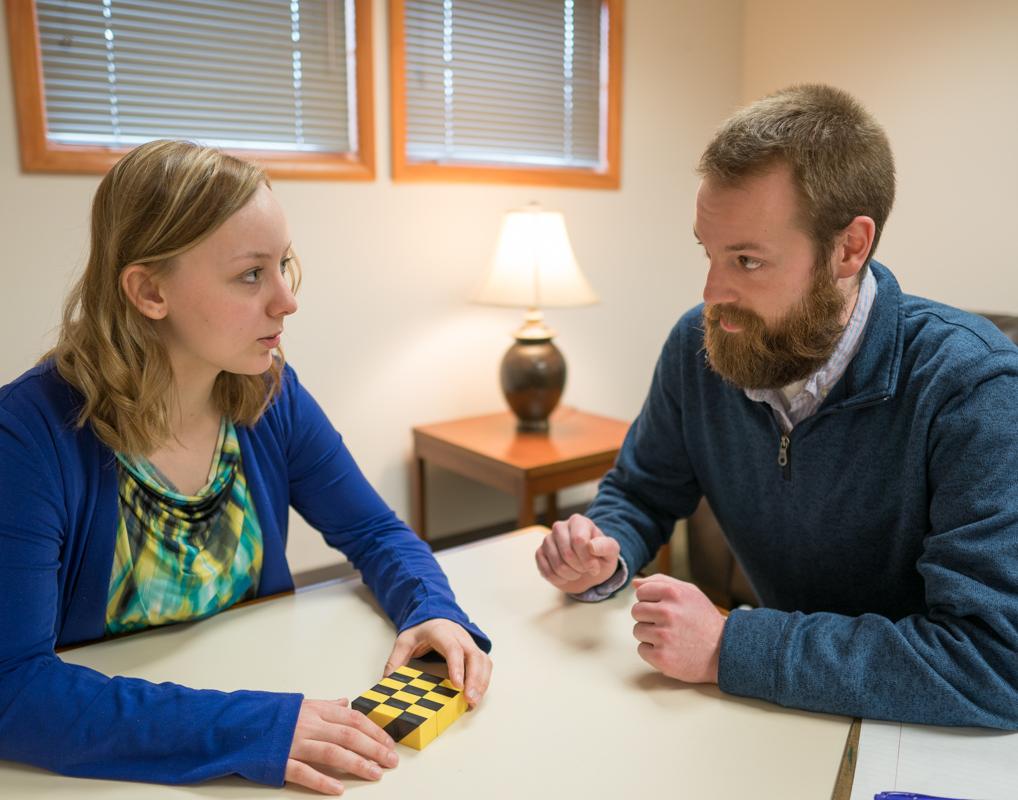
533,377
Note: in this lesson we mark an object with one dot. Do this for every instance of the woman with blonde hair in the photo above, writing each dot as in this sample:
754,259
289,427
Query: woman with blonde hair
147,465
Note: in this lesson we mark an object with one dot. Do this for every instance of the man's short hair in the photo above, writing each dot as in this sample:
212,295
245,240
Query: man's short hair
839,156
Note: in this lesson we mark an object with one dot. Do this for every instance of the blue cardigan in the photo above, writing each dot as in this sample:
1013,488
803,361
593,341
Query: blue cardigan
886,551
58,513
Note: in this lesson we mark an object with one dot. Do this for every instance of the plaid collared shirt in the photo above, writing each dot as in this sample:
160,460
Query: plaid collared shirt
794,403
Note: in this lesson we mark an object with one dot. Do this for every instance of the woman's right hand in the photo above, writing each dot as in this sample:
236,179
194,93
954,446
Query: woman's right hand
331,733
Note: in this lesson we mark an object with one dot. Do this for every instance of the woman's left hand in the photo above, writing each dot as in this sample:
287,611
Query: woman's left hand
469,666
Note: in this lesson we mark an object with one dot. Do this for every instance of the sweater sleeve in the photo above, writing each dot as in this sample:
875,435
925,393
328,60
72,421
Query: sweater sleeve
652,483
330,492
74,720
954,664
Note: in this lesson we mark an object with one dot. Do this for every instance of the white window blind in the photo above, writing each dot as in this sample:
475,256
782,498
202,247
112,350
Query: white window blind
505,82
242,74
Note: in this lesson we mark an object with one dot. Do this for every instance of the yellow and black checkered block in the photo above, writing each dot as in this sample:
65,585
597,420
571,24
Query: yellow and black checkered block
413,707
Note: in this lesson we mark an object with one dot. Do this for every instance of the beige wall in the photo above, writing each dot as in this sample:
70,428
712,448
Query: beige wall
942,77
386,336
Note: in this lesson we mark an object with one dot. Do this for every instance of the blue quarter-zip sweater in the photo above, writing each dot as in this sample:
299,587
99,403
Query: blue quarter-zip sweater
885,549
58,515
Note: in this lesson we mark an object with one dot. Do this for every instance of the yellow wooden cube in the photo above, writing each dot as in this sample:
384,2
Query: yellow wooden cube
413,707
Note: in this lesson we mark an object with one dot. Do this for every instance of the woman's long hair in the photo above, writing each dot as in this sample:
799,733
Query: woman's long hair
157,202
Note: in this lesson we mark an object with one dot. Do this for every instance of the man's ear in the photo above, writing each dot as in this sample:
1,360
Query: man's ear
852,246
142,290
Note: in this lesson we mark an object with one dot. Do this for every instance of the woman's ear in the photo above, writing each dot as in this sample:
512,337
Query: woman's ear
142,290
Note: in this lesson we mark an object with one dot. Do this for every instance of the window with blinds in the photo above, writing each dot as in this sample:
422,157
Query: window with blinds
279,78
518,90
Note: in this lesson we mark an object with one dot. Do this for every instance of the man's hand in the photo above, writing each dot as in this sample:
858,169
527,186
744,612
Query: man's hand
679,629
331,733
576,556
469,666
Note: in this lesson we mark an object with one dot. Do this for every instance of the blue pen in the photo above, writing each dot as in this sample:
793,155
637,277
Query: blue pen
908,796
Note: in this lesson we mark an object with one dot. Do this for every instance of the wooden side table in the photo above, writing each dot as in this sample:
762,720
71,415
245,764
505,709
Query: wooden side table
578,447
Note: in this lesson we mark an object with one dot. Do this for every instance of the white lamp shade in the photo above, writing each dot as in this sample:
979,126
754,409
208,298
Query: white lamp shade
534,264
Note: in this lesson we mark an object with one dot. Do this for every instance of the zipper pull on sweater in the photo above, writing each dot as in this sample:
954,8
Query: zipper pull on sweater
783,455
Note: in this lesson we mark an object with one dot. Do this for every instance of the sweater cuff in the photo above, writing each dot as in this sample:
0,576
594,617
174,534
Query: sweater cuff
603,591
751,647
280,741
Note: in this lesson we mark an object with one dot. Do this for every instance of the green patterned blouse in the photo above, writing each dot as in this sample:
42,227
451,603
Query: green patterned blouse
180,557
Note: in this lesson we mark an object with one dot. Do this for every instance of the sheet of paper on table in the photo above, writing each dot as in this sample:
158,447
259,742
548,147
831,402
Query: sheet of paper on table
968,763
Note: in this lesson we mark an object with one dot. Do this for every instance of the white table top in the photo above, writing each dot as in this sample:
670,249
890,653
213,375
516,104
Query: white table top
572,712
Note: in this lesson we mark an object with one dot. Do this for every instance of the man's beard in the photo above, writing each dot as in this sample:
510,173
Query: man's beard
763,357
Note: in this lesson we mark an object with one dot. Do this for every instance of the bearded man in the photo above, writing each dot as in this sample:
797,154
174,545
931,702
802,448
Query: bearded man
858,445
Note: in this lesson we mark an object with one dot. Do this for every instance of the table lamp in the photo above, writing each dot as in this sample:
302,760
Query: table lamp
534,266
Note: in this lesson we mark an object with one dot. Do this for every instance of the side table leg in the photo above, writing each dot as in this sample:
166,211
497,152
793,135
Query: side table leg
525,510
419,518
664,559
551,509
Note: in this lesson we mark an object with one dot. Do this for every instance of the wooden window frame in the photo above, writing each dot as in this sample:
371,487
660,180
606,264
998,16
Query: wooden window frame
38,154
404,169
